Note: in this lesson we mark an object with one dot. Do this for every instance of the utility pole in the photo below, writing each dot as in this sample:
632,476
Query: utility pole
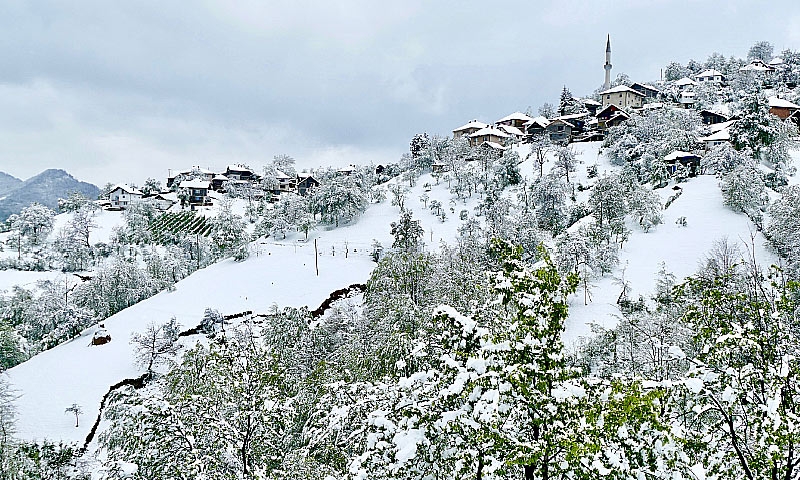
316,257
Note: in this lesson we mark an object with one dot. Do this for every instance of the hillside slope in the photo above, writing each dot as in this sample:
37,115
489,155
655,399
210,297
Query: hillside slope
282,273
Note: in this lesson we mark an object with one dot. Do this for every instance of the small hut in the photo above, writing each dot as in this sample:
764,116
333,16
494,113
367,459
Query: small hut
101,336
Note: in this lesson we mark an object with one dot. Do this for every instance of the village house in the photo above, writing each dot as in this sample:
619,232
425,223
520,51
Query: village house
757,66
288,184
536,126
711,118
781,108
197,191
346,171
306,184
687,99
488,134
611,116
715,139
560,130
622,96
162,201
648,91
466,130
121,196
710,76
578,120
684,83
689,160
516,119
515,133
239,172
218,181
195,172
591,106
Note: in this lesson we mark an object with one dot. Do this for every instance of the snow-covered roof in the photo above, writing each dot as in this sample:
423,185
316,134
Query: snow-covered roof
195,183
516,116
471,124
511,130
646,87
781,103
574,116
710,73
490,131
561,120
756,66
678,154
684,82
282,176
590,101
193,169
220,176
540,120
720,109
722,135
621,89
776,61
126,189
652,105
238,168
716,127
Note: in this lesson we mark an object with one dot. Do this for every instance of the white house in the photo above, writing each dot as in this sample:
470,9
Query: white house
717,138
122,195
684,82
710,76
757,66
622,96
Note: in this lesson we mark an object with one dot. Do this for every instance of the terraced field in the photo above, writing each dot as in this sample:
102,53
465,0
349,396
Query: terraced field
168,227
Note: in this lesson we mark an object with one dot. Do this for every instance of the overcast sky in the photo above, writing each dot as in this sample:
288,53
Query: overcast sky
121,91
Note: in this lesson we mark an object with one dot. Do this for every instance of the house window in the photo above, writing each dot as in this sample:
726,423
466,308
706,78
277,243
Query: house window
560,128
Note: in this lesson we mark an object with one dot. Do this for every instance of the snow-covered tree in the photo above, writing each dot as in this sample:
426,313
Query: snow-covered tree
541,145
285,164
73,239
151,186
550,195
743,191
565,161
569,105
759,133
608,200
156,344
760,51
220,414
737,403
407,233
228,235
339,199
783,226
724,159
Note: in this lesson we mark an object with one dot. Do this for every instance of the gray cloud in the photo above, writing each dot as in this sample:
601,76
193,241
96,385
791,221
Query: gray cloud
118,91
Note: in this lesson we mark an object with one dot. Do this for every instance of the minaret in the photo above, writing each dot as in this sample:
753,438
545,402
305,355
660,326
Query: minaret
607,66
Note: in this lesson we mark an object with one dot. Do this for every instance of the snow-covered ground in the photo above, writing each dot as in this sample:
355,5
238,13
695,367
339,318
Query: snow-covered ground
282,273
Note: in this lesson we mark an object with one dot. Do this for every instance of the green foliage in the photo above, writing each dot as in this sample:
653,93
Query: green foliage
169,227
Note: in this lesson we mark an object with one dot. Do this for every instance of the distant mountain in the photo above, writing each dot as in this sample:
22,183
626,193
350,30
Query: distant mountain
8,183
45,188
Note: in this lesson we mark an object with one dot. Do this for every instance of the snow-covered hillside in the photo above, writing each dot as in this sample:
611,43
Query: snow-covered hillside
282,273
